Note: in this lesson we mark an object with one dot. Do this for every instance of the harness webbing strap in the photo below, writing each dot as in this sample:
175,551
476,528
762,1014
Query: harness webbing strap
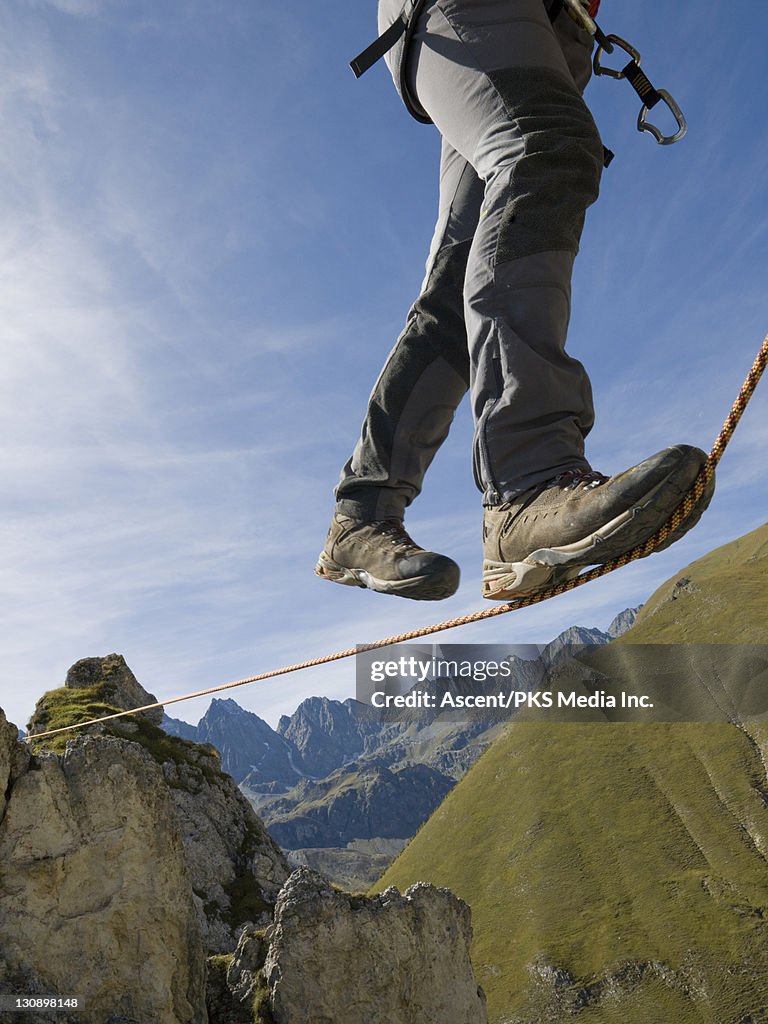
373,53
365,60
637,78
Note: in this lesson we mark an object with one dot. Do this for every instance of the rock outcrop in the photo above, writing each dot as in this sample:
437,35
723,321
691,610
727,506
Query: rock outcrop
95,894
355,867
121,687
388,959
135,875
623,621
104,683
235,868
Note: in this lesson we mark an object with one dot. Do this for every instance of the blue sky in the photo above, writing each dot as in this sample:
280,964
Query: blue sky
210,237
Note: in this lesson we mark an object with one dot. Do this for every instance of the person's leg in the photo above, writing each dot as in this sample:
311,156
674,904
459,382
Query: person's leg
493,76
427,373
409,415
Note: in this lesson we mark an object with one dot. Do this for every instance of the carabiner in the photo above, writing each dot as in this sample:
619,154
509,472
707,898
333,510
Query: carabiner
622,45
644,125
649,95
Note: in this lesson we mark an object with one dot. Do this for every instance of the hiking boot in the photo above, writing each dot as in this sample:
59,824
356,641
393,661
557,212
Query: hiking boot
551,532
381,556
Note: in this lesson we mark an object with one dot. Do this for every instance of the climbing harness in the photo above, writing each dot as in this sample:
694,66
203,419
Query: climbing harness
582,17
401,30
683,510
398,38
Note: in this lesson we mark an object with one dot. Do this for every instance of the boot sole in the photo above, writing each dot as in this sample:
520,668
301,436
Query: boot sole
432,587
548,567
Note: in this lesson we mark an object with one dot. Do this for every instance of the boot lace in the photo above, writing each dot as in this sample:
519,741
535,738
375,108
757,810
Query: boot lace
569,480
572,479
396,532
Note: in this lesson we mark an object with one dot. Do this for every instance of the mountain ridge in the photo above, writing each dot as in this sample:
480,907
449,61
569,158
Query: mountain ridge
332,774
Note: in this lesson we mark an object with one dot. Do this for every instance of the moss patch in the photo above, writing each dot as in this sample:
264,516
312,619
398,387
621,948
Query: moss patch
67,707
64,707
219,1002
261,1011
164,748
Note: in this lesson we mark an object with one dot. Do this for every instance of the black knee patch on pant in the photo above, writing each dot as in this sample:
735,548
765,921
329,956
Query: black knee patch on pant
558,175
434,341
434,330
440,307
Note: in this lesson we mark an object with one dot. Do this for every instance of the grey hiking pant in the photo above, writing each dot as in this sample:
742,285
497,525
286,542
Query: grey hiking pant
521,161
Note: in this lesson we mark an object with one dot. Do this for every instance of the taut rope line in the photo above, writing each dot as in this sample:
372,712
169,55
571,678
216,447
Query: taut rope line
681,512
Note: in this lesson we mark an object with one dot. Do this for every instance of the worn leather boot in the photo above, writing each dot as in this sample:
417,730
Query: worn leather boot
381,556
551,532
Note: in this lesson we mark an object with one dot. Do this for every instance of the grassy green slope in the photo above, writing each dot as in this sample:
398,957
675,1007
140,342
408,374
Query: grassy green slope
721,598
617,872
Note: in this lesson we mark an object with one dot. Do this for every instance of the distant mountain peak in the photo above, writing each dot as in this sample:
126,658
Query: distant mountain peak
227,703
622,622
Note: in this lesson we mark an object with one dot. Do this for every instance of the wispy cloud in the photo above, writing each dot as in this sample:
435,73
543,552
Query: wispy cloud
78,8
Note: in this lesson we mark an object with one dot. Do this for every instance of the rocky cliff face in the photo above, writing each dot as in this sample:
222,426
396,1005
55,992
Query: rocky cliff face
234,868
389,959
95,891
135,875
